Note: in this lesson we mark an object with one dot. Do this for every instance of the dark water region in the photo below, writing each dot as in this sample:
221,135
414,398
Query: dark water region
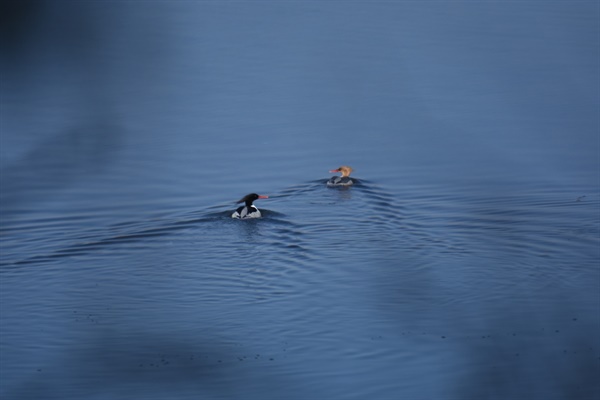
464,263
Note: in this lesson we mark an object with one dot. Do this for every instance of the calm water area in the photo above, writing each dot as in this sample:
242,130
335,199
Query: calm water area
464,264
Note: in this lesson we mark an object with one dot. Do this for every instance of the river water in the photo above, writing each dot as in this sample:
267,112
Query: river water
464,264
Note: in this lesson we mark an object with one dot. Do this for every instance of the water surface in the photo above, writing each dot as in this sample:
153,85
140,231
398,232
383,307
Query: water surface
463,264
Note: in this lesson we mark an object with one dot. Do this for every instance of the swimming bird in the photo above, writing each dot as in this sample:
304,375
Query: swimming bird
343,180
248,210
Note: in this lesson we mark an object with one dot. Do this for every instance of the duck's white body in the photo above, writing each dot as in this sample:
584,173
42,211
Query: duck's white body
246,212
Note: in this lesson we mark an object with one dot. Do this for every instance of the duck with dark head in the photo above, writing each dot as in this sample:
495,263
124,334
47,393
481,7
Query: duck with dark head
343,180
248,210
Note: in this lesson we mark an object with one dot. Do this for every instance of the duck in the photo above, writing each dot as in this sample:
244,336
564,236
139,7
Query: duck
343,180
248,210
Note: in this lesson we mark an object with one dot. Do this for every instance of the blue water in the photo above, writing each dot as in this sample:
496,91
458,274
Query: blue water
463,265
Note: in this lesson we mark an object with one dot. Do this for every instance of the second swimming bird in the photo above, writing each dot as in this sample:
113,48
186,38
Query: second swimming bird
343,180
